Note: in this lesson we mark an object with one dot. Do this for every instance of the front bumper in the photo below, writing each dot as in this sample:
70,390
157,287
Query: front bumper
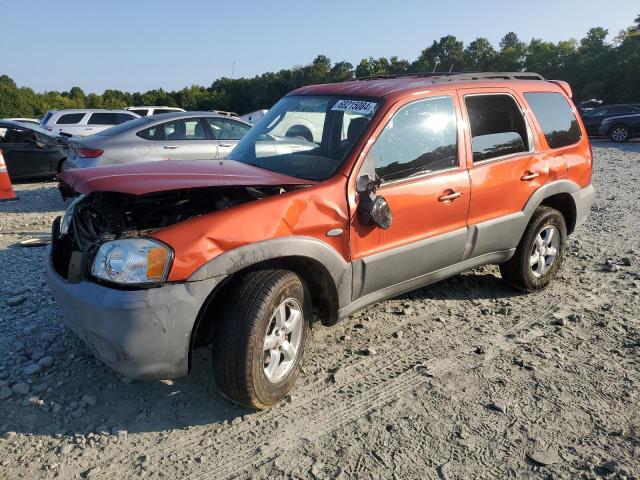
142,334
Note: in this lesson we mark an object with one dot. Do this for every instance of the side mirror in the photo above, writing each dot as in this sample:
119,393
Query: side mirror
372,208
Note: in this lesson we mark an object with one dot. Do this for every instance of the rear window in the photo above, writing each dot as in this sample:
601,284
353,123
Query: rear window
558,123
70,118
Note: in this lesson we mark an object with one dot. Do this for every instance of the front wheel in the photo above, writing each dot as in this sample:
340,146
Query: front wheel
540,253
620,133
260,340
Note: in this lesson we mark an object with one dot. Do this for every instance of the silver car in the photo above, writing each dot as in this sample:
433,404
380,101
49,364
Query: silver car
169,136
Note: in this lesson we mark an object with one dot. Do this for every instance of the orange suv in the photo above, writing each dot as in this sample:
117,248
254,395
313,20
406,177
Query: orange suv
342,195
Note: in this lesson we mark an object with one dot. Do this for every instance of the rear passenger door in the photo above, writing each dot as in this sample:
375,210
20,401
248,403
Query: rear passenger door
186,139
232,132
424,180
505,167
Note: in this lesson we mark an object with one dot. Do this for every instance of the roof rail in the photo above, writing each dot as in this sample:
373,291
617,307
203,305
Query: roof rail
462,76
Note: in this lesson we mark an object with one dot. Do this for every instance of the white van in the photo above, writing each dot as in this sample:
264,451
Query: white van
155,110
83,122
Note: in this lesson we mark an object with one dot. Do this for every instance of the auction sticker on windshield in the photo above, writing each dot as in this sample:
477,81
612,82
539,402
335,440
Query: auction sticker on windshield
356,106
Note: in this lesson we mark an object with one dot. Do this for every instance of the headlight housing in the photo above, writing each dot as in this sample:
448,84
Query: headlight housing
65,223
132,261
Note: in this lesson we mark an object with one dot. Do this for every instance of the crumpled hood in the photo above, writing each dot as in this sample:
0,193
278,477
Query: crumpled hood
149,177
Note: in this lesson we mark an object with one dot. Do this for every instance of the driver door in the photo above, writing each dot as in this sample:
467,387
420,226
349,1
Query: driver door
426,185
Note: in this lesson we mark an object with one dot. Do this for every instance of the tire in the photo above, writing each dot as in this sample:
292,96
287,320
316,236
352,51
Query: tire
620,133
519,271
242,365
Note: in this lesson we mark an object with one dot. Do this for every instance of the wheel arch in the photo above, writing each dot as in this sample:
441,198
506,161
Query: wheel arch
325,274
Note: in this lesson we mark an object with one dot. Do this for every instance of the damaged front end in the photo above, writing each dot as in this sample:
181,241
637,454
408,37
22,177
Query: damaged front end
101,233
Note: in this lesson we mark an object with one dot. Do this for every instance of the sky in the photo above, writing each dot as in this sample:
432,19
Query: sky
137,45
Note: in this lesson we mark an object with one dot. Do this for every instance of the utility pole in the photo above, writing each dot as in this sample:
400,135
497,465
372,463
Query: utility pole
233,69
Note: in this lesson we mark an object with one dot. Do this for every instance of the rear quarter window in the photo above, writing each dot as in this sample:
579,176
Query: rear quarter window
70,118
556,118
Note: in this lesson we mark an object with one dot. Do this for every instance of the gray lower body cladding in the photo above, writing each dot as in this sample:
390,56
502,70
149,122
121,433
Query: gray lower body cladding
142,334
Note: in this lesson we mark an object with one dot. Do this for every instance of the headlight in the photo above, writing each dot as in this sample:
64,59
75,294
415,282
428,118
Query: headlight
65,223
134,261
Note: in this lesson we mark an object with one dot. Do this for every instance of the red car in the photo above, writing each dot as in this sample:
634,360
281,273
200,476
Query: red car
403,181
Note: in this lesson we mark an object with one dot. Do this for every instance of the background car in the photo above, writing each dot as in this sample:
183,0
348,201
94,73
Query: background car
82,122
621,129
170,136
30,151
593,118
33,122
148,111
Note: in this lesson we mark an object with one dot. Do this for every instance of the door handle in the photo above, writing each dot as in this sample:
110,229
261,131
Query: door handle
528,176
225,145
171,147
449,197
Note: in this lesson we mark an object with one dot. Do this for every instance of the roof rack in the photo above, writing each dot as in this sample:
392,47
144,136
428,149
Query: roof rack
461,76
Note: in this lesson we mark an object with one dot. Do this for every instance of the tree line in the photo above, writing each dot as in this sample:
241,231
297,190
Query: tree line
594,67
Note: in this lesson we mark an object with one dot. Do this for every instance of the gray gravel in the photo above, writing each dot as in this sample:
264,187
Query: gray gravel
464,379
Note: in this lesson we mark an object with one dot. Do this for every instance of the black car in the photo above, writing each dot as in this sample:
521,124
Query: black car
622,128
593,118
30,152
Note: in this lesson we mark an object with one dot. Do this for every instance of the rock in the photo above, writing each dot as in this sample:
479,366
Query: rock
92,472
46,362
543,458
65,449
561,322
498,406
398,334
21,388
89,400
625,262
32,369
479,349
16,300
9,434
614,268
5,392
370,351
611,466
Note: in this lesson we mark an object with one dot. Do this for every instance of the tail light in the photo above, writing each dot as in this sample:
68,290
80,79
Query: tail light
88,153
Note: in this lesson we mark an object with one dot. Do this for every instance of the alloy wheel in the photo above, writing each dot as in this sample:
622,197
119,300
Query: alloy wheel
545,250
282,340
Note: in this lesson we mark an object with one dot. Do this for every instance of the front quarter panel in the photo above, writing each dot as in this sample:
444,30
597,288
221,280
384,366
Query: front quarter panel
309,212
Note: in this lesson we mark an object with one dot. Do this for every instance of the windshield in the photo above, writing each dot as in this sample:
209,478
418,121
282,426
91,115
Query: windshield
306,136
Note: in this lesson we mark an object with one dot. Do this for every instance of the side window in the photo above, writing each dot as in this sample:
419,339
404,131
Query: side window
70,118
216,127
151,133
420,138
104,119
497,126
159,111
16,135
141,112
185,129
233,130
124,117
558,123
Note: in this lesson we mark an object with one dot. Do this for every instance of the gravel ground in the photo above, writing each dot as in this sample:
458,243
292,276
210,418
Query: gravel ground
464,379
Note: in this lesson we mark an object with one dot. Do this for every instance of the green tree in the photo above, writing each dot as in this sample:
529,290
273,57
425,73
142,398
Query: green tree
512,53
480,55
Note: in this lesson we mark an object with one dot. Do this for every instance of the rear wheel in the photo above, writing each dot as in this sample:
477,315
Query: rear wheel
540,253
620,133
260,341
